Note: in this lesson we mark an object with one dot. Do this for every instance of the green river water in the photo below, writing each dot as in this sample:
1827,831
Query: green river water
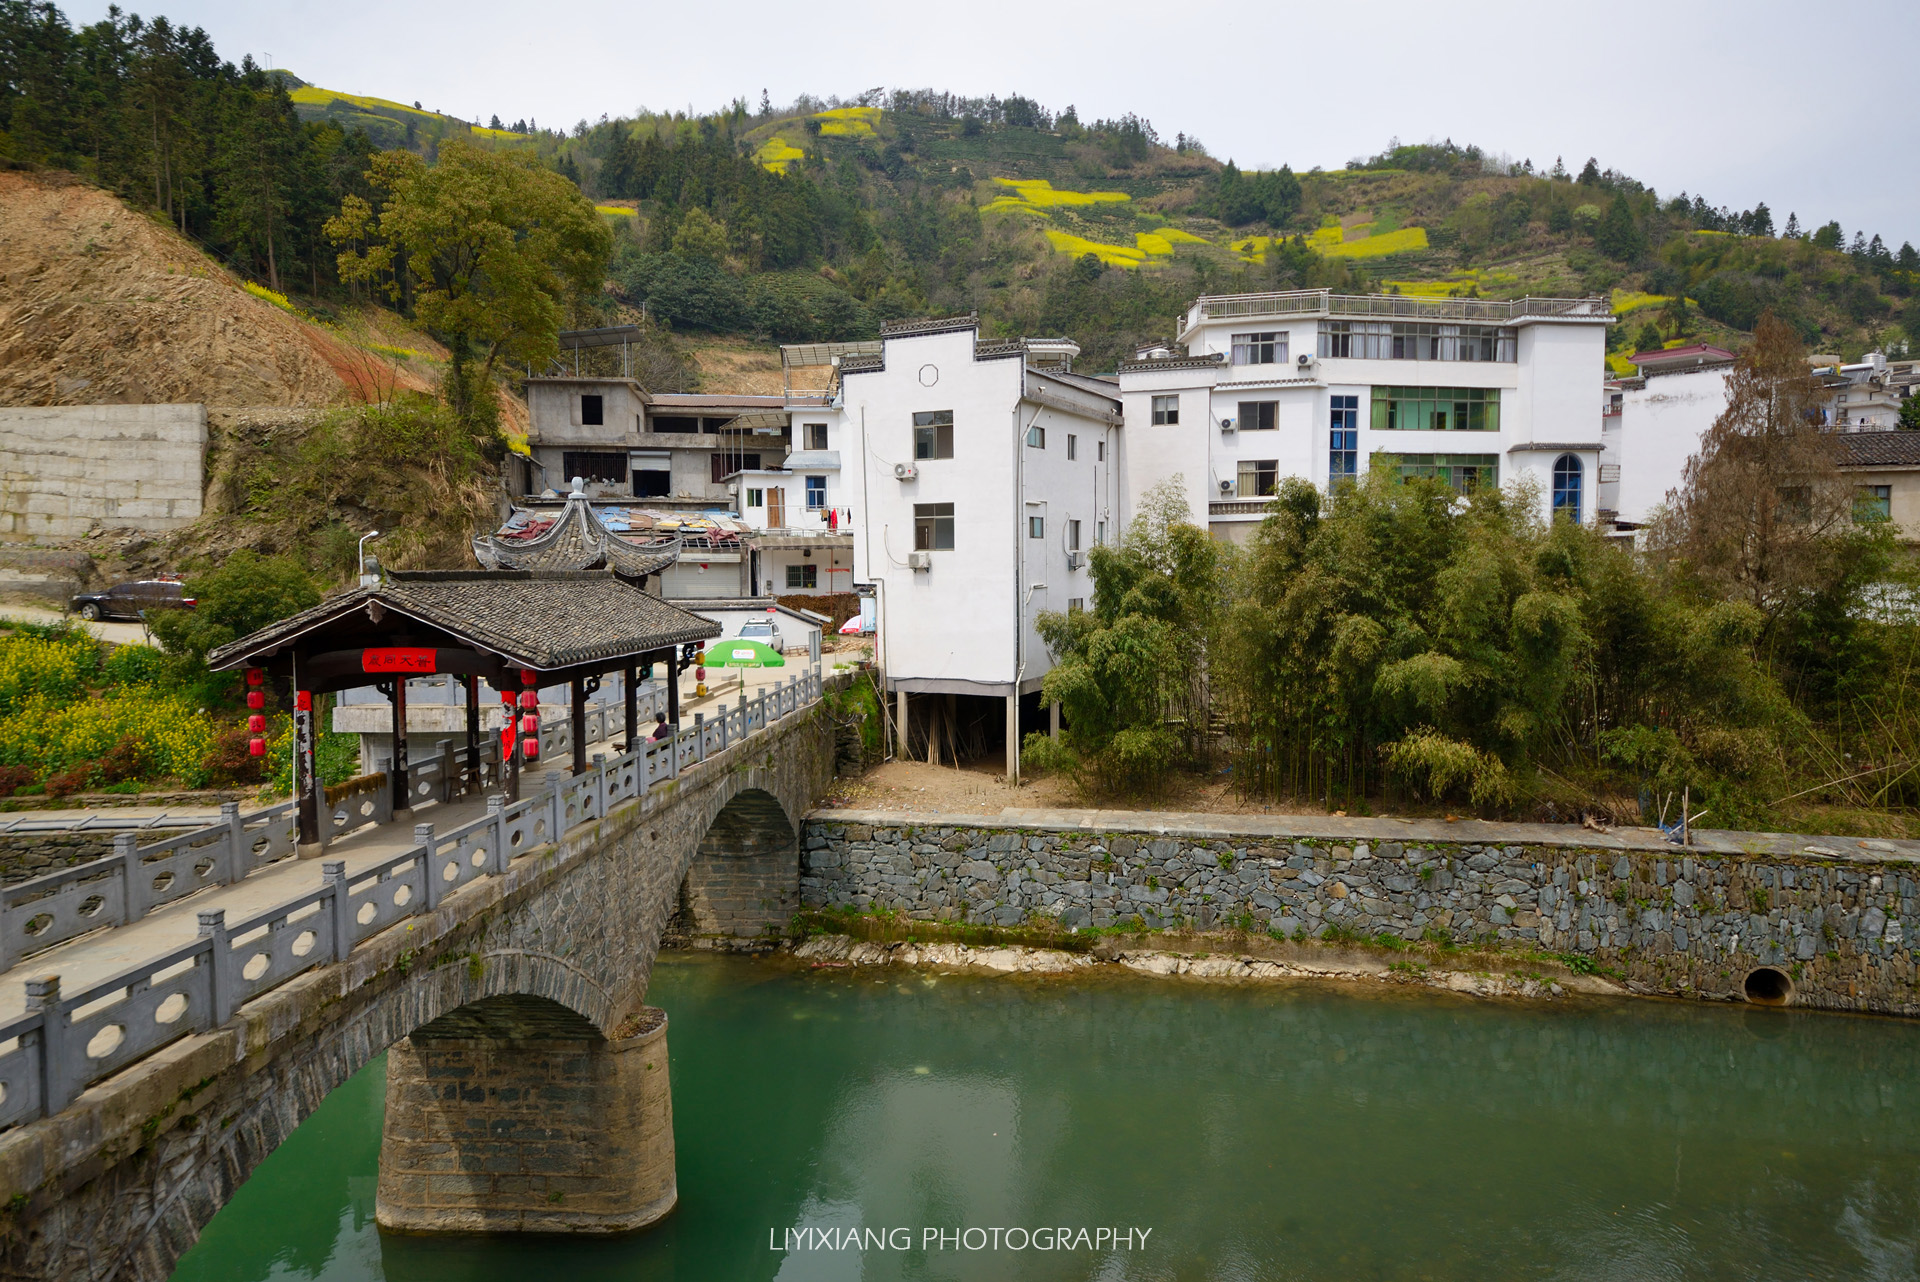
1288,1132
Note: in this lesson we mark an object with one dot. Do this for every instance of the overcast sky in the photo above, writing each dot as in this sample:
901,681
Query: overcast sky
1801,106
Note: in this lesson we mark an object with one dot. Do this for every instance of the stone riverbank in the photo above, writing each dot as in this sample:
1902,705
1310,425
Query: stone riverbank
1822,922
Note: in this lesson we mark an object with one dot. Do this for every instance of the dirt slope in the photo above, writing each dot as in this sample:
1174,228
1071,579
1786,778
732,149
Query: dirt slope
100,304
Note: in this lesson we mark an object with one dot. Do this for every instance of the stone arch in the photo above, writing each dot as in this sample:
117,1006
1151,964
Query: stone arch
744,879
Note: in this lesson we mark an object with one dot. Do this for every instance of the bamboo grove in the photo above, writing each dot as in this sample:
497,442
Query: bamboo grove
1398,644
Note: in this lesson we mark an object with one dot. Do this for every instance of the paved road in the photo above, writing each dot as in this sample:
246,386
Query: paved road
118,633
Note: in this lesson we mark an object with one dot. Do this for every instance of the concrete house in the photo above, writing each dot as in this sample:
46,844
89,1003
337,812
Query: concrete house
1324,386
978,474
1658,420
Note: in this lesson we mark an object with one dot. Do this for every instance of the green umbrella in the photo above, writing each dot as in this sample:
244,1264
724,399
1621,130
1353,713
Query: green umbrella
740,652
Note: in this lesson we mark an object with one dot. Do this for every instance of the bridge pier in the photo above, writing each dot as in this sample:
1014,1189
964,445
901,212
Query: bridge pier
514,1115
745,880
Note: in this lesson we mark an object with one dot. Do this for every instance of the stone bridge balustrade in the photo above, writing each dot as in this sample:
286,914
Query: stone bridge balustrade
219,1049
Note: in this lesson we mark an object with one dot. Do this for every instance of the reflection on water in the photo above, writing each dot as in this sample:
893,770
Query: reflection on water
1297,1132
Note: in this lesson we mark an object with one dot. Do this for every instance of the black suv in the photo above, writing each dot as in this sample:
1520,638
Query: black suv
130,600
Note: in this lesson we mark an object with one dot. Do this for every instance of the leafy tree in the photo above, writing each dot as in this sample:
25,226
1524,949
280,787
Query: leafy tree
1648,339
1618,235
700,236
1589,173
239,596
490,246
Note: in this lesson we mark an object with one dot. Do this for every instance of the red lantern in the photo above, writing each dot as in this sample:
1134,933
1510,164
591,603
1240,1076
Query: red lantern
256,698
528,676
257,723
303,701
530,748
257,747
256,676
529,698
530,725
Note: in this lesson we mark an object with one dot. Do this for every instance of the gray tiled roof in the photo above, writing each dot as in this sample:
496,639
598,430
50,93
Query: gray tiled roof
1879,449
542,621
577,541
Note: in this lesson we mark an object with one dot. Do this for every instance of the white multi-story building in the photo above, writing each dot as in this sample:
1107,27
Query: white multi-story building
976,476
1658,419
1328,386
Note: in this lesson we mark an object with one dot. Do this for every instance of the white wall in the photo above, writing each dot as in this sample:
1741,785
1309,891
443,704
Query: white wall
969,619
1661,425
67,468
1149,455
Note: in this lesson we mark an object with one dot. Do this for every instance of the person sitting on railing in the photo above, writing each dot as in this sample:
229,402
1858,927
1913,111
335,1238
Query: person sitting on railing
660,730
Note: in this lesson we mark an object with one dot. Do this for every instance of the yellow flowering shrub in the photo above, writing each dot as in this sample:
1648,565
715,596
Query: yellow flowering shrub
616,211
58,666
272,296
1633,300
174,737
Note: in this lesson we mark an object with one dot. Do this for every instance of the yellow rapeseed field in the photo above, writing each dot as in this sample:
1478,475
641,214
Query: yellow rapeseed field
848,122
1039,191
1112,255
776,153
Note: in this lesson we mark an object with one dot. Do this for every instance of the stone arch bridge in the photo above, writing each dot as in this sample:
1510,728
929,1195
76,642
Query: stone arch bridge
516,992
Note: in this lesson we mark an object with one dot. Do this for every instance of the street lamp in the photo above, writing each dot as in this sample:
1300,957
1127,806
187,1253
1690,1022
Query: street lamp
370,534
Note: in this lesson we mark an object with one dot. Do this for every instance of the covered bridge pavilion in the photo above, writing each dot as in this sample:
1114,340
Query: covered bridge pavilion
517,630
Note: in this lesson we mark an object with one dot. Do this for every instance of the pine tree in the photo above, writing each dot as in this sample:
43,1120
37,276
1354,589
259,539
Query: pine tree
1590,173
1618,236
1793,226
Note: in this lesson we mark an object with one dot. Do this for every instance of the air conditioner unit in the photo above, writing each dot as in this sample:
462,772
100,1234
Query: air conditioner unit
1226,425
919,560
1226,487
1304,360
904,472
1073,560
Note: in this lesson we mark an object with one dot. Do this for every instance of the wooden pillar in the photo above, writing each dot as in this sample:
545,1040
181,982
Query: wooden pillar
472,780
306,791
397,774
510,706
577,712
629,679
673,688
1053,719
900,716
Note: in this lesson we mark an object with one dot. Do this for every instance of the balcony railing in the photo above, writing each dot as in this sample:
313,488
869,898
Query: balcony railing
1324,302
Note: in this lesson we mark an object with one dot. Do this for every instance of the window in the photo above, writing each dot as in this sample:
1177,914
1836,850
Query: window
1415,341
1166,411
933,434
1567,473
680,423
1037,437
594,466
803,576
1073,446
1436,409
756,498
592,412
815,434
1873,503
1269,348
1036,527
1100,452
1076,605
1100,533
1259,416
1465,473
1257,478
1073,536
1343,440
816,493
932,527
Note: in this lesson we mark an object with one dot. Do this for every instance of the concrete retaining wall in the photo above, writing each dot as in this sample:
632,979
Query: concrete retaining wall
65,469
1842,925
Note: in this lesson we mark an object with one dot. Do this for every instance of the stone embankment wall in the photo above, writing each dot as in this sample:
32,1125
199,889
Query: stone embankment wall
67,468
24,855
1841,930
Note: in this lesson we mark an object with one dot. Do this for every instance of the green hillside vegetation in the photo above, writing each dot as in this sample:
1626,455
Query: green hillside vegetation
822,219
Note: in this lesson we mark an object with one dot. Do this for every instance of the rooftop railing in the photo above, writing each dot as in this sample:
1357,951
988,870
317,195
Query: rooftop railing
1324,302
67,1041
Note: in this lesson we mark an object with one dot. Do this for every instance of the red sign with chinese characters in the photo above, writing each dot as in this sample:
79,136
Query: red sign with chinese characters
399,659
